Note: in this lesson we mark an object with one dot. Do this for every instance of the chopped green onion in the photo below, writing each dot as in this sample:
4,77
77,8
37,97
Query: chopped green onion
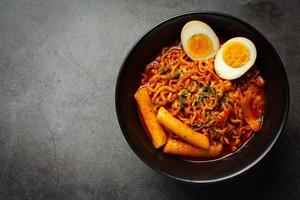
163,70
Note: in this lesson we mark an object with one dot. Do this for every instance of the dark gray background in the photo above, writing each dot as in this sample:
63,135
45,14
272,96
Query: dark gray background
59,135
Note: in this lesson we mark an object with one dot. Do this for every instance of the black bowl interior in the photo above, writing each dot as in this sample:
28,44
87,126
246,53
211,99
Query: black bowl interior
149,46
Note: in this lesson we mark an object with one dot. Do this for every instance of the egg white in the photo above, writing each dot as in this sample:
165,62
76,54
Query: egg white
227,72
197,27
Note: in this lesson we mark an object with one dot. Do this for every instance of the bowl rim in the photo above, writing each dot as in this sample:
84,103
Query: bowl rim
240,171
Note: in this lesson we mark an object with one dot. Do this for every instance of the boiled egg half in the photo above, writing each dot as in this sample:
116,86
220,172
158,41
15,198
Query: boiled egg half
235,58
199,41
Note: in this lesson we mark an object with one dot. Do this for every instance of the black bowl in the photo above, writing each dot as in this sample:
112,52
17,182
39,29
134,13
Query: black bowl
276,89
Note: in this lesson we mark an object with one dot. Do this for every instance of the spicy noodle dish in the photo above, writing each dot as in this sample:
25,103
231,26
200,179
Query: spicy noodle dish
202,99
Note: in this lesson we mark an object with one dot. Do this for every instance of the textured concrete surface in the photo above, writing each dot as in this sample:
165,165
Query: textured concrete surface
59,135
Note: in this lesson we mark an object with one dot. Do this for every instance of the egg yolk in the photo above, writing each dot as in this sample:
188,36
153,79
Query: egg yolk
236,54
199,45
